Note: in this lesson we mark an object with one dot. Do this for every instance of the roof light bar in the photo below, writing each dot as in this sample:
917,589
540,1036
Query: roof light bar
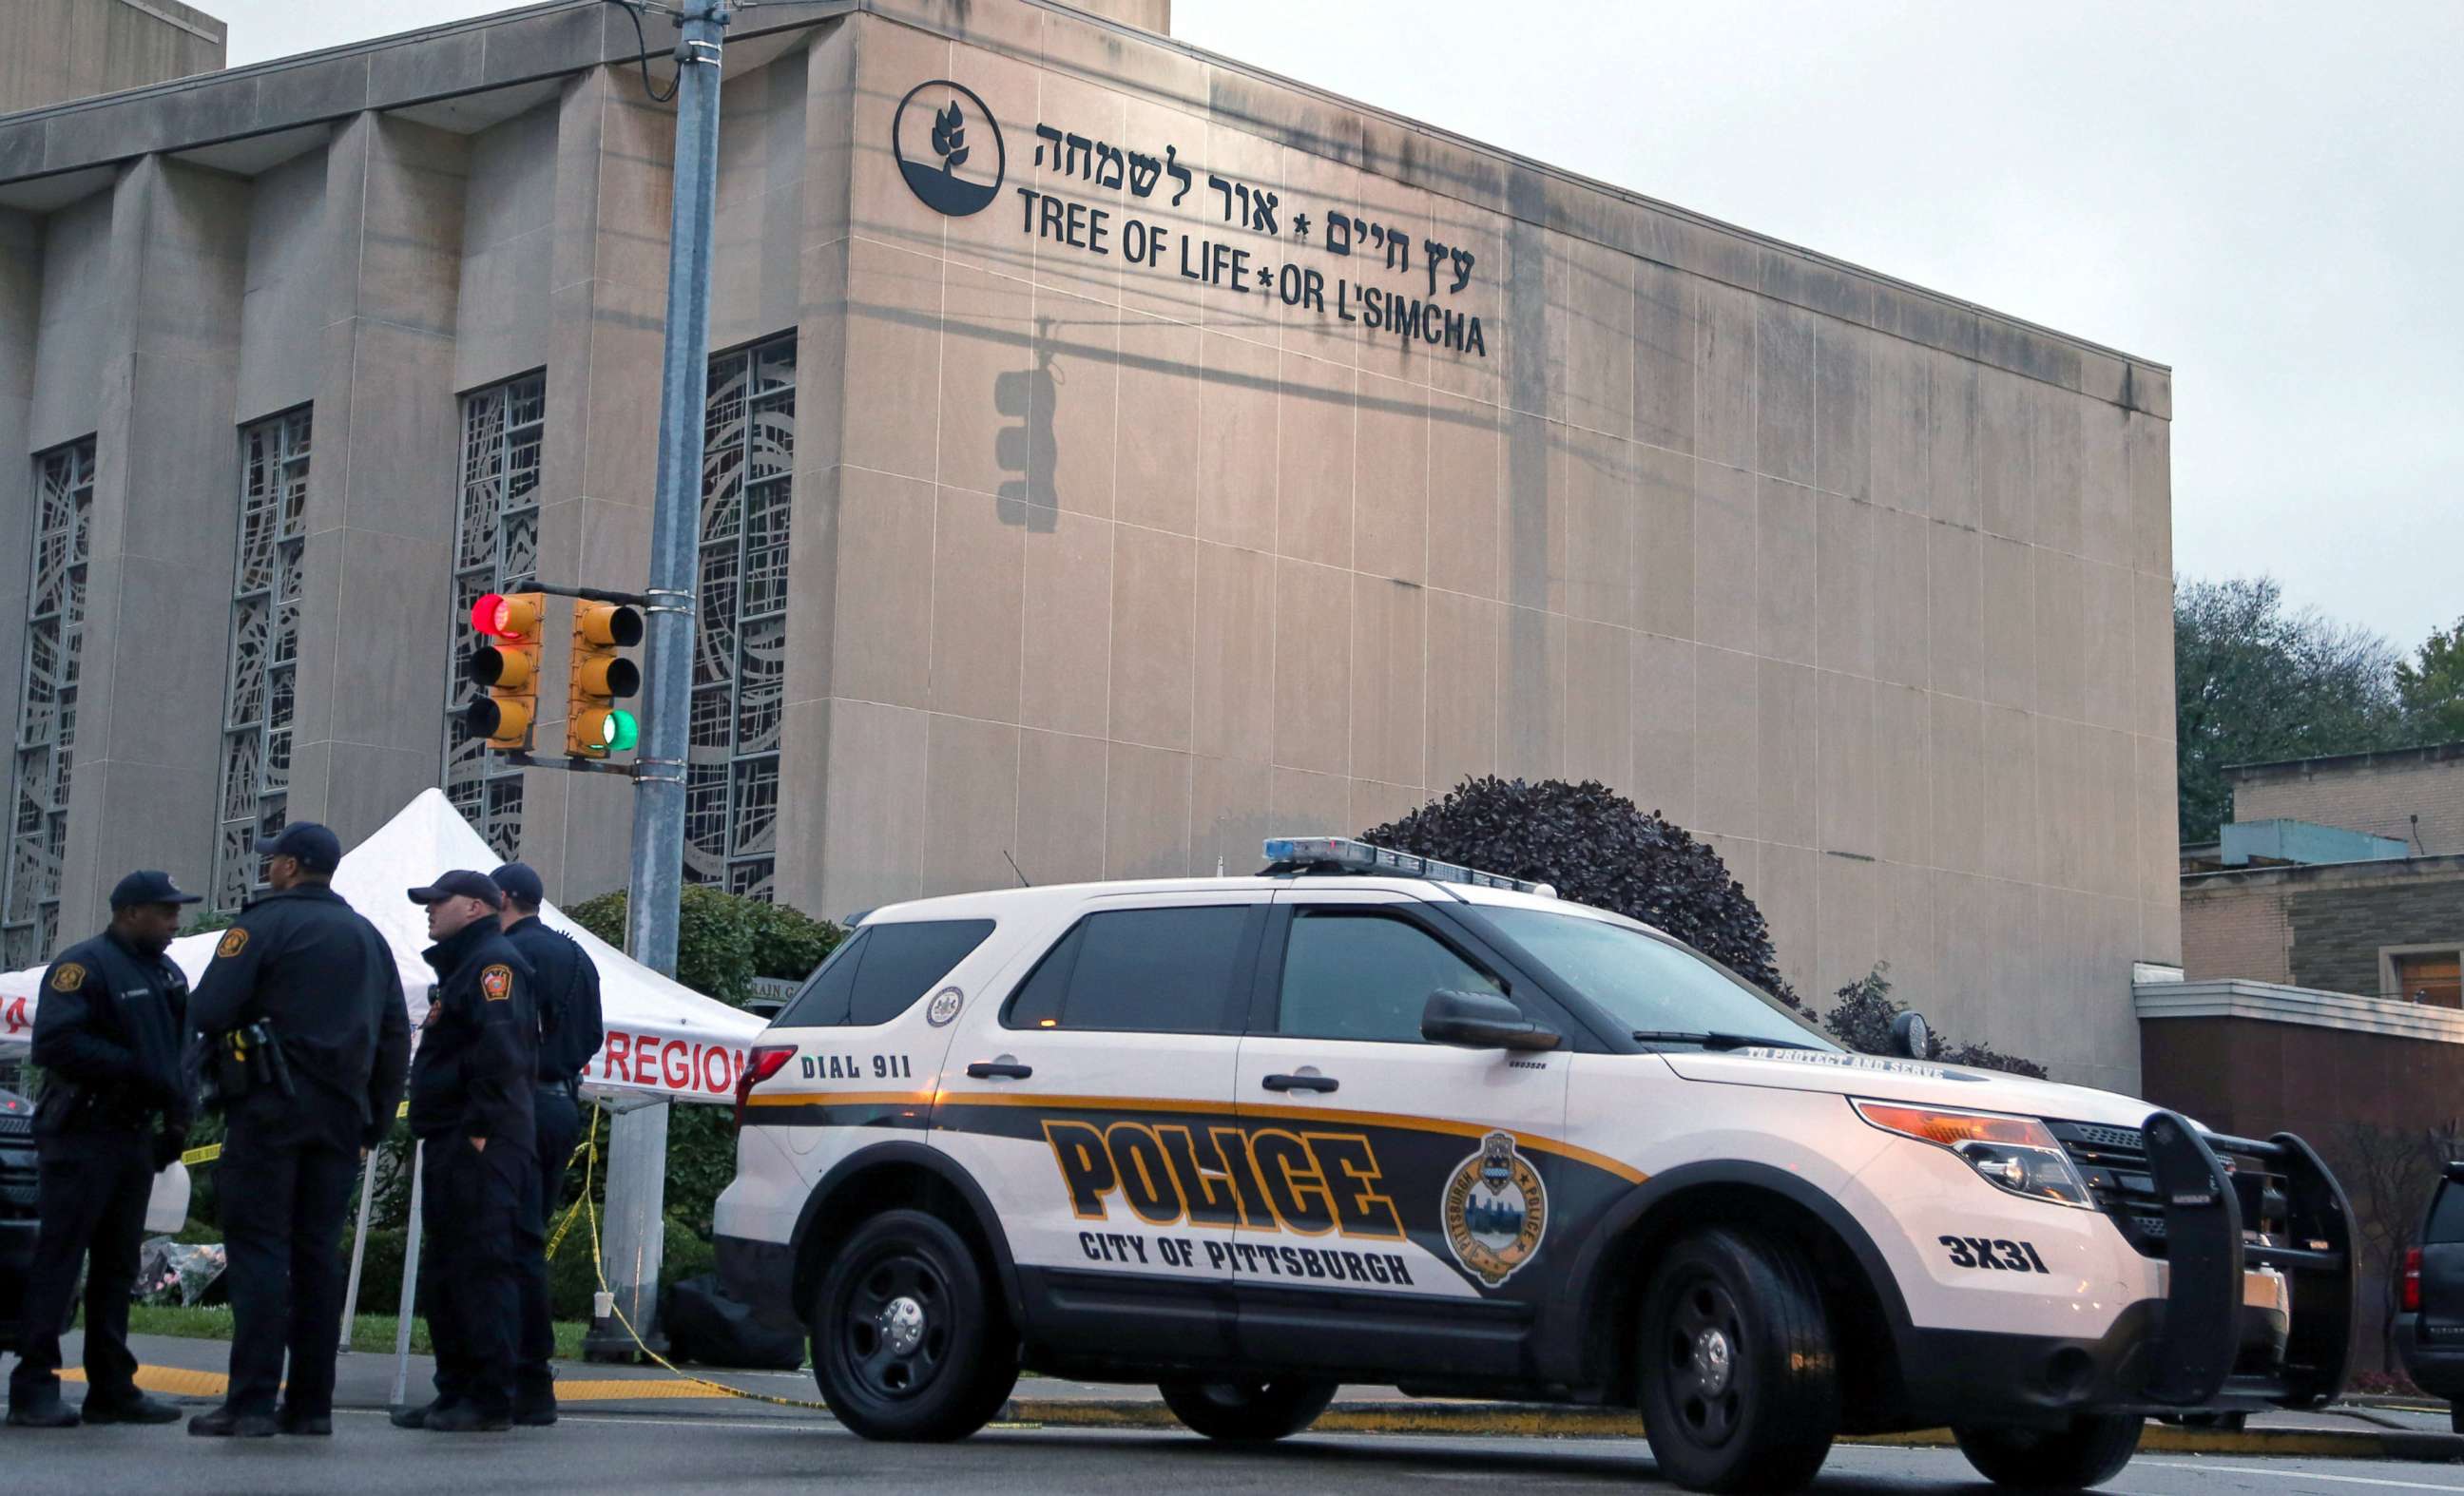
1355,857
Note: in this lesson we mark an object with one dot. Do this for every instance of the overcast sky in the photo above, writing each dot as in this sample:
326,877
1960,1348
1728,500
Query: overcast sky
2267,198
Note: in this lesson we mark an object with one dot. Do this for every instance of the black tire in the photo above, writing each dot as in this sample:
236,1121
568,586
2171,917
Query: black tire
2090,1452
1740,1384
2455,1416
1249,1411
942,1372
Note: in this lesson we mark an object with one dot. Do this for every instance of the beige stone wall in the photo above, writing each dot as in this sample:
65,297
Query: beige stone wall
1888,622
2378,793
57,50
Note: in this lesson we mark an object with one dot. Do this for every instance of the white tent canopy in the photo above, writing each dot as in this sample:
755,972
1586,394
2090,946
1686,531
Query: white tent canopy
664,1040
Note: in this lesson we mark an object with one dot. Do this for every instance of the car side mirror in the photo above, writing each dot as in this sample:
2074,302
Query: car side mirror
1483,1020
1911,1037
2455,1171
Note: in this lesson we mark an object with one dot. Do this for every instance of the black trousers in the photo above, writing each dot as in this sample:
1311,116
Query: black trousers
478,1208
557,1126
283,1202
91,1189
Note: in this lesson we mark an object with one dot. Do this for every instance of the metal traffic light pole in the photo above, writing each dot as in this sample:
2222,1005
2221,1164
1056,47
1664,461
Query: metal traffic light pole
638,1139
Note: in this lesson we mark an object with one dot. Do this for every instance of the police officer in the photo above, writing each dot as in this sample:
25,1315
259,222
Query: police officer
472,1084
112,1032
322,982
569,1035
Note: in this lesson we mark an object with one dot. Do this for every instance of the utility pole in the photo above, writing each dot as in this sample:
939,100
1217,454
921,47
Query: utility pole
637,1163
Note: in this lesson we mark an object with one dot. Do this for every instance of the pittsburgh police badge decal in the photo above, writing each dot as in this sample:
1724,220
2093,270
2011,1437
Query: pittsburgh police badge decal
497,982
945,1008
69,978
1495,1211
233,941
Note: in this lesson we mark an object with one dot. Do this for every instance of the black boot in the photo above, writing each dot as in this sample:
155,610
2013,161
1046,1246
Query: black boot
305,1425
464,1418
46,1412
224,1423
417,1418
136,1409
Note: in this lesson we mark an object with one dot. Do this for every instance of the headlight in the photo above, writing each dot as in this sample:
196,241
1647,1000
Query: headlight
2014,1154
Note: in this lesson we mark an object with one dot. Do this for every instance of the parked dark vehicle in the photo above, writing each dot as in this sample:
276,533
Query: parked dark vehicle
17,1208
2430,1332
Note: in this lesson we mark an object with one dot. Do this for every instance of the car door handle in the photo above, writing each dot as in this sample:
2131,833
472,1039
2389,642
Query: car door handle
999,1069
1317,1083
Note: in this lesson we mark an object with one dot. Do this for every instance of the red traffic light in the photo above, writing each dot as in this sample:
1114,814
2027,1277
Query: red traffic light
500,616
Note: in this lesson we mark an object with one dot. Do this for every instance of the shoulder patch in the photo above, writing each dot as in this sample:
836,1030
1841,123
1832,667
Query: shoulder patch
69,978
234,941
497,982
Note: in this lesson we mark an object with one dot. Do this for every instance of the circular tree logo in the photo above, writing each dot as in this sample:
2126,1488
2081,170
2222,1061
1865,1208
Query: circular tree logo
949,147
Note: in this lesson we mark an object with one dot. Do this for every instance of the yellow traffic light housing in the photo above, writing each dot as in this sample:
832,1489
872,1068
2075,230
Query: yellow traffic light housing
507,667
599,677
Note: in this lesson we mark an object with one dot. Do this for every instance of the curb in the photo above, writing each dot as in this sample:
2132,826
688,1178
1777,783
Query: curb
1544,1422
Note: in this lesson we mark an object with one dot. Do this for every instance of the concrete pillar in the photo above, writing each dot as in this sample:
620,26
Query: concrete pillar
21,296
156,620
607,320
371,708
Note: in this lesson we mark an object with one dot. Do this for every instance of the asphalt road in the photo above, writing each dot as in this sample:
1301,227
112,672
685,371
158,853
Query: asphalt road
630,1454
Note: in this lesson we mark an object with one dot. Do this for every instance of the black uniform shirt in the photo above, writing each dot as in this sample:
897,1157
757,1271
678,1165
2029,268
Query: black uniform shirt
324,979
111,1029
570,1027
478,1046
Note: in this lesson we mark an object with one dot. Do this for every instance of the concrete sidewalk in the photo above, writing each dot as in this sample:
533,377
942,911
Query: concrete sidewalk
194,1370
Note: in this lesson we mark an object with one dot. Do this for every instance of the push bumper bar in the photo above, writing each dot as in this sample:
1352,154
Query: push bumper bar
2197,1360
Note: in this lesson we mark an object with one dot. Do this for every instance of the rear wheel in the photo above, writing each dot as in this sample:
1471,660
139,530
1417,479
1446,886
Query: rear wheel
908,1342
2455,1416
1740,1386
2090,1452
1255,1409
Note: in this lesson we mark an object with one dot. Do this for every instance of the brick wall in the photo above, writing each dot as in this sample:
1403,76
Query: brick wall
2378,793
2236,930
2338,932
2319,927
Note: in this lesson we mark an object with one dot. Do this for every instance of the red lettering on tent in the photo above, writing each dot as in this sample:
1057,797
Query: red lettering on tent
612,1054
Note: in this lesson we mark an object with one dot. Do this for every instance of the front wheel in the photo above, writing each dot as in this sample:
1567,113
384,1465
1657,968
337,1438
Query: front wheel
908,1342
2090,1452
1740,1385
1255,1411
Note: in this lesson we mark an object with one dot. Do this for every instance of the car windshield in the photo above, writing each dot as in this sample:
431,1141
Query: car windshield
1648,985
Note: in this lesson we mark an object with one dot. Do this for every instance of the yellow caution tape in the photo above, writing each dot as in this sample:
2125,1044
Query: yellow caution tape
213,1151
599,1266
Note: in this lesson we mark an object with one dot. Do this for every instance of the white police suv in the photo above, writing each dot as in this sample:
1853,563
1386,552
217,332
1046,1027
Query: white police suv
1369,1119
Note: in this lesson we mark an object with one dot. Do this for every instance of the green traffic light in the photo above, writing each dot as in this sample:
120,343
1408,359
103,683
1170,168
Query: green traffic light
618,731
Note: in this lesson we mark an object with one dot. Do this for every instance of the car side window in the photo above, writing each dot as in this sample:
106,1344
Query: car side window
823,1001
880,971
903,961
1351,974
1139,971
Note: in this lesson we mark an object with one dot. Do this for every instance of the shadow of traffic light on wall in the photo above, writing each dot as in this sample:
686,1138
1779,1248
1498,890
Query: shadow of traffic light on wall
1025,448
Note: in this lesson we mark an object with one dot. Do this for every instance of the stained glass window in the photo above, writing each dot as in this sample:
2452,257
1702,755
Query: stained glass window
259,693
740,641
47,705
496,549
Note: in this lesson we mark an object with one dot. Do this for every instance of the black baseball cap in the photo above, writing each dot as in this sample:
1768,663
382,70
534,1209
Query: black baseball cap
460,883
150,888
521,882
314,847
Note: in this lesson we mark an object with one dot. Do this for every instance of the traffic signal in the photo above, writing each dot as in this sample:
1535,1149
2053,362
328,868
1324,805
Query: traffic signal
507,668
599,678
